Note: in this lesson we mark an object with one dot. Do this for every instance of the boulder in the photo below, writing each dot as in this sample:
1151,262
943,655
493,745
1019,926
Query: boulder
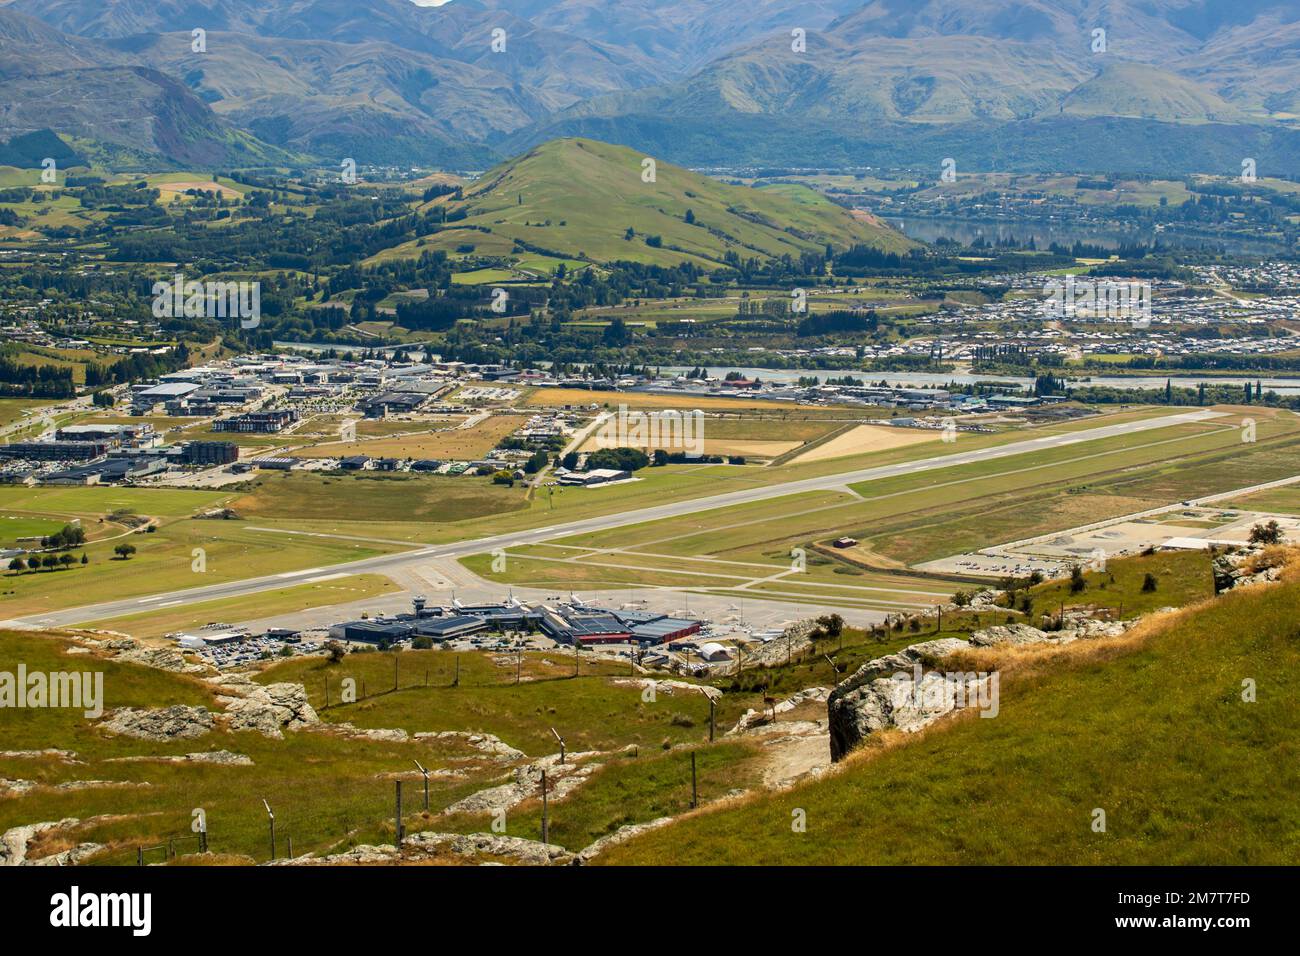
161,658
1013,635
177,722
271,709
14,841
869,701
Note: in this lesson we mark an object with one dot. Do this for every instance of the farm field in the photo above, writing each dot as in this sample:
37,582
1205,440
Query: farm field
448,443
866,439
373,500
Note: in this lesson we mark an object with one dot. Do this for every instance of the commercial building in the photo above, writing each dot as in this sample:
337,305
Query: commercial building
262,422
108,434
55,450
209,453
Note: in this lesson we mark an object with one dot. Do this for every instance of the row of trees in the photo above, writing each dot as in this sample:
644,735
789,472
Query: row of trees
49,562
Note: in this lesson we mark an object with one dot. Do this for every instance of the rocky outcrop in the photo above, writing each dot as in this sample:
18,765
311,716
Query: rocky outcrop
23,787
160,658
223,758
487,744
869,701
897,692
16,842
669,688
526,783
1017,635
758,718
177,722
622,834
393,735
901,702
425,845
66,756
1242,567
271,709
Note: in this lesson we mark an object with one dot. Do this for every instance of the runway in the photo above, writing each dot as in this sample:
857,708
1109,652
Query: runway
459,549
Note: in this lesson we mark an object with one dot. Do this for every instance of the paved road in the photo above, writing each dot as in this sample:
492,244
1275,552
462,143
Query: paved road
514,539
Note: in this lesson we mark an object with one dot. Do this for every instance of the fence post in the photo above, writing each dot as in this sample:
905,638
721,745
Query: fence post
139,856
399,814
695,792
546,822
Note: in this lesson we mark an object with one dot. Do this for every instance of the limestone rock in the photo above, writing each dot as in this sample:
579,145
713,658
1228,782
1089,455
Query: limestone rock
620,835
220,757
1014,635
161,658
488,744
177,722
271,709
15,841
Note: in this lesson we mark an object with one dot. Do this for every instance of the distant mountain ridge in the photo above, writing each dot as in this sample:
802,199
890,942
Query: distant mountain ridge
389,81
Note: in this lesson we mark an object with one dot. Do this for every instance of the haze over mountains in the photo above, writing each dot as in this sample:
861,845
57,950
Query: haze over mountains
997,83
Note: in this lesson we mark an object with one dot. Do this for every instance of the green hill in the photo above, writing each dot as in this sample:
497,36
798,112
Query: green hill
1151,727
1144,92
579,198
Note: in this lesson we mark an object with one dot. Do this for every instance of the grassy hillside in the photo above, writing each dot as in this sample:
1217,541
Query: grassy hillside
1151,728
579,197
1141,91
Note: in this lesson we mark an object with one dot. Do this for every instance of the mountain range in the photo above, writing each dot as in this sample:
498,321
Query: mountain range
996,83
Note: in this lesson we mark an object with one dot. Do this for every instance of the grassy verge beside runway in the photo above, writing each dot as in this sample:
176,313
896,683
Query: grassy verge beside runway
164,620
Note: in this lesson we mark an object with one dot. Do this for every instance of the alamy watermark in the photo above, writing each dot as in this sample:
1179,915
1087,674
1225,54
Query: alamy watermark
940,691
192,299
669,430
1075,298
82,690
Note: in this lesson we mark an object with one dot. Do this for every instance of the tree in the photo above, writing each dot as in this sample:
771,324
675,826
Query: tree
124,551
961,598
334,651
67,560
85,558
1149,583
17,564
1077,582
832,624
49,561
1270,533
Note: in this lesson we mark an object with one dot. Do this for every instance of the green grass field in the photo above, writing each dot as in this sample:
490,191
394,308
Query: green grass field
165,559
